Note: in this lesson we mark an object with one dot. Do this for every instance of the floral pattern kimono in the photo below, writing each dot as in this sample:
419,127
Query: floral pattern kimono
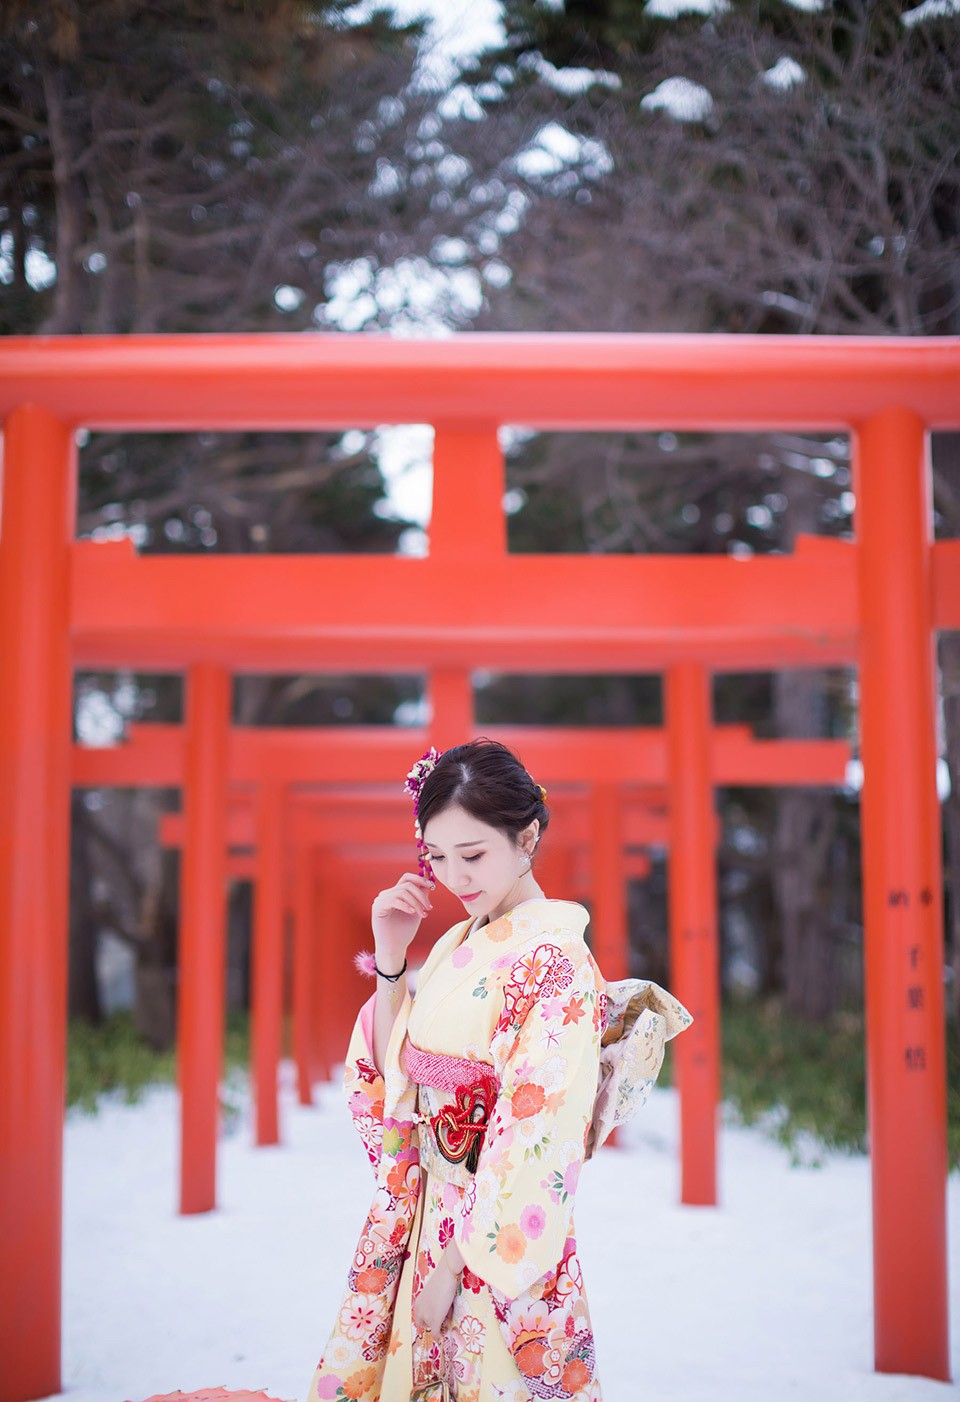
477,1133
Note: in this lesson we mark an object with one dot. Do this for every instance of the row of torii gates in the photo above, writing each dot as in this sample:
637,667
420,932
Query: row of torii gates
322,811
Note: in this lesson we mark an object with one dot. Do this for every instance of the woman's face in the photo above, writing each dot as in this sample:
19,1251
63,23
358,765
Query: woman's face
475,860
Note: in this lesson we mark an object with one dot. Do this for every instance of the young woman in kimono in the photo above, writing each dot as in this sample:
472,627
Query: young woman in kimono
477,1101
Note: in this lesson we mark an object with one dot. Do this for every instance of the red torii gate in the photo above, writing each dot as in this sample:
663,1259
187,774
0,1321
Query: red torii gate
876,602
265,760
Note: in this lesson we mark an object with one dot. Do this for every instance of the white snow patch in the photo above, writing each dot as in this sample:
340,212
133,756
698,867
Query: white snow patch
456,31
460,103
931,9
572,81
785,73
555,148
669,9
682,98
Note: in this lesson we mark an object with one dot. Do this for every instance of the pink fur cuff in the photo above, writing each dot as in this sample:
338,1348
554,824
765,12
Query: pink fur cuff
365,963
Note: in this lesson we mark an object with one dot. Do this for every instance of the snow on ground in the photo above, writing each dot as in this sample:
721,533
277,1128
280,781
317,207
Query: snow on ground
764,1299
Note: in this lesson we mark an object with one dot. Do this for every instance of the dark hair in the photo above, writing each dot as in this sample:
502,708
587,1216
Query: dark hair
489,781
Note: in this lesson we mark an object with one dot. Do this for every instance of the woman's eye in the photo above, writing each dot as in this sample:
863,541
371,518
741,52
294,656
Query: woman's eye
474,859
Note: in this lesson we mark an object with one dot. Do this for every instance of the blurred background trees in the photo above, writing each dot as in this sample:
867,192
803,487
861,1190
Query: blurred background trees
602,165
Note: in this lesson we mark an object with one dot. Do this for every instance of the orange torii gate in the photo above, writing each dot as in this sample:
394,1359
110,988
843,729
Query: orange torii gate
263,760
875,602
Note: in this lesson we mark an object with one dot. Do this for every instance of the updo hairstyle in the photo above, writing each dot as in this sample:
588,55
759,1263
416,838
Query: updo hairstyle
488,780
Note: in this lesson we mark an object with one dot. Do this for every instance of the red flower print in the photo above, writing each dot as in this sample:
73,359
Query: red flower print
445,1230
575,1375
470,1282
527,1100
403,1181
372,1280
573,1011
532,1358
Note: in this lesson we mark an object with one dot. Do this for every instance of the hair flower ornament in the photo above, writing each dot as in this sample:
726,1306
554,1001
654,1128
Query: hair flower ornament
414,783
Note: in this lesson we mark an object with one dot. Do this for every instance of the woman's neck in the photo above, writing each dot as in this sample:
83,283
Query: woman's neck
482,920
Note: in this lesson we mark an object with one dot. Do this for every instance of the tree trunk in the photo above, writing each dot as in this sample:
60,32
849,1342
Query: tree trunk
155,1009
83,993
239,921
67,314
950,681
804,825
945,455
804,831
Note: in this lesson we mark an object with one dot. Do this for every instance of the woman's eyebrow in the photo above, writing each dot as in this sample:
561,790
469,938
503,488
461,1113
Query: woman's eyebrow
475,843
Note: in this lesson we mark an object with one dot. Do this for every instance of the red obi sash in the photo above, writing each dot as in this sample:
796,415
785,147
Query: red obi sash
459,1127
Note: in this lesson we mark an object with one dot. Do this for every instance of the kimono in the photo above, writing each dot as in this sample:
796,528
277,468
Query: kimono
477,1132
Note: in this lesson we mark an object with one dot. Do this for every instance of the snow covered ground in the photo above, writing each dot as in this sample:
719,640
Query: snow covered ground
765,1299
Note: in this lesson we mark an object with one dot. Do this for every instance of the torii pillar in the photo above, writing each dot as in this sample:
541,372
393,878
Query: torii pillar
304,977
39,485
694,945
268,961
903,895
608,883
201,988
611,937
333,950
451,699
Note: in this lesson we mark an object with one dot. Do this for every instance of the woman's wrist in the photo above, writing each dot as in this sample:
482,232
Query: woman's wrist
388,963
452,1258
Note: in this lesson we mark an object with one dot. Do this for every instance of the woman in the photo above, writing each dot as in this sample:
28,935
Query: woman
477,1101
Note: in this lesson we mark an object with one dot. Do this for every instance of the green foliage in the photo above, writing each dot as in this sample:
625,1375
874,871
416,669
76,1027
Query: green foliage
806,1083
801,1081
113,1057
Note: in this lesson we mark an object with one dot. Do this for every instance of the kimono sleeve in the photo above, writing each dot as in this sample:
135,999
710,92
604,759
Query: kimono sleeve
364,1084
517,1212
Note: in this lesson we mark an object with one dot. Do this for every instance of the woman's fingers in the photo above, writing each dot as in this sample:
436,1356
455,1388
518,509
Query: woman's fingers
418,880
411,894
414,893
419,884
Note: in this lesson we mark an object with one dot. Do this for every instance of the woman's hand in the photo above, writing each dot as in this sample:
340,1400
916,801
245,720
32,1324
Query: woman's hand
396,917
434,1302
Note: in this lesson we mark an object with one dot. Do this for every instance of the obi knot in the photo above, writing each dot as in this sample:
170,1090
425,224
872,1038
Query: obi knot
458,1126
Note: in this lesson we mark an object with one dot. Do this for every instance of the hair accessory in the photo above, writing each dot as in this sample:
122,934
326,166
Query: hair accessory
414,783
543,792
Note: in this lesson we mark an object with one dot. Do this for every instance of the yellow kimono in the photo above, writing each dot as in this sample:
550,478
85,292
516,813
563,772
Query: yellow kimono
478,1133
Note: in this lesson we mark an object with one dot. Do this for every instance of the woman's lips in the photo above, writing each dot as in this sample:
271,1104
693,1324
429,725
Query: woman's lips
472,897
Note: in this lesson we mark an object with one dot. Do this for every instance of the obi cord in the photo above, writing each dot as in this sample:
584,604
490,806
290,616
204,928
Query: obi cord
458,1128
